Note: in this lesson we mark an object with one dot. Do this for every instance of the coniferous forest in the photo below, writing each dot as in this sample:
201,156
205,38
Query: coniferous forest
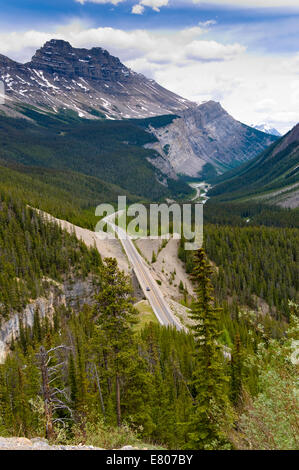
92,374
127,128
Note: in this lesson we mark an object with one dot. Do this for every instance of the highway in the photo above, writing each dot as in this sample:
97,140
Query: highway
147,282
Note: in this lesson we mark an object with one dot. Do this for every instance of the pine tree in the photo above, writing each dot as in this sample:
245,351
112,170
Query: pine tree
236,371
73,381
211,408
117,316
37,330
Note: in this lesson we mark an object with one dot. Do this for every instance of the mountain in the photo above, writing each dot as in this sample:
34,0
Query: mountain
272,177
92,84
92,161
205,137
264,127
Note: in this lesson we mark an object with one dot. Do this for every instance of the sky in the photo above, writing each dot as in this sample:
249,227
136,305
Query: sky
242,53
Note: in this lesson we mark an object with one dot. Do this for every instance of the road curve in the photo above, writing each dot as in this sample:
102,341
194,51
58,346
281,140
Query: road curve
145,278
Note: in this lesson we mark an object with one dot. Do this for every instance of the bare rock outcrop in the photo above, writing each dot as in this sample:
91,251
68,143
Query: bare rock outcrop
72,293
208,134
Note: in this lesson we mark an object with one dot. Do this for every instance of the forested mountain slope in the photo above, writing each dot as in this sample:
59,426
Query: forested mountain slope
101,346
104,153
34,252
257,267
272,177
156,368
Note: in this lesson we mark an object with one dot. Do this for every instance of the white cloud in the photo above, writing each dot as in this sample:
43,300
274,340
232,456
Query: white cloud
251,3
138,9
17,43
154,4
191,33
212,50
101,2
265,105
253,88
177,47
206,24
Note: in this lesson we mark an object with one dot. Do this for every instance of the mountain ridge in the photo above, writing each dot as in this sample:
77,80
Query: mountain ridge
272,176
93,84
87,81
208,135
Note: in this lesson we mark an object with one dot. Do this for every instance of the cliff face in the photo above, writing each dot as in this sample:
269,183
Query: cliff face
208,134
71,294
59,57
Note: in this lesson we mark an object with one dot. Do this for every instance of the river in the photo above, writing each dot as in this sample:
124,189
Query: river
201,191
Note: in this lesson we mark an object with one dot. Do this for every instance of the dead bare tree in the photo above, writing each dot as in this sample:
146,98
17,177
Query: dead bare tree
99,389
93,373
54,398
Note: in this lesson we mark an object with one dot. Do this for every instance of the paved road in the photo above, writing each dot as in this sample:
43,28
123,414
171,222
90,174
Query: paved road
147,282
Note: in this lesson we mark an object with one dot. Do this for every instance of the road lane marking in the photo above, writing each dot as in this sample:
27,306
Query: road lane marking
159,306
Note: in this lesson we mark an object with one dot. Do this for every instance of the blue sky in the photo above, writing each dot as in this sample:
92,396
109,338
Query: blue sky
244,53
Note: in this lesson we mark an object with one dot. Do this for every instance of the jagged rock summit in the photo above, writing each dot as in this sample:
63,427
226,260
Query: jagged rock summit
59,57
93,83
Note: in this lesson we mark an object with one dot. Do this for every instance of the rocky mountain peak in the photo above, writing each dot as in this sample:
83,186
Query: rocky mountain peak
57,44
91,82
211,110
58,56
205,113
212,106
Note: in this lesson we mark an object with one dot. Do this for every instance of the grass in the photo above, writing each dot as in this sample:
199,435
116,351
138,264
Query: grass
103,436
146,314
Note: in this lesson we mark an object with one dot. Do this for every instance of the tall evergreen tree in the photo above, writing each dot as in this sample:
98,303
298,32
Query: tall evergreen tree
211,405
236,370
116,317
73,381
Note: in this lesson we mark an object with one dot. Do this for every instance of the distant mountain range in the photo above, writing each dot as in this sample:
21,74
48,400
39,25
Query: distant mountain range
92,84
271,177
264,127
